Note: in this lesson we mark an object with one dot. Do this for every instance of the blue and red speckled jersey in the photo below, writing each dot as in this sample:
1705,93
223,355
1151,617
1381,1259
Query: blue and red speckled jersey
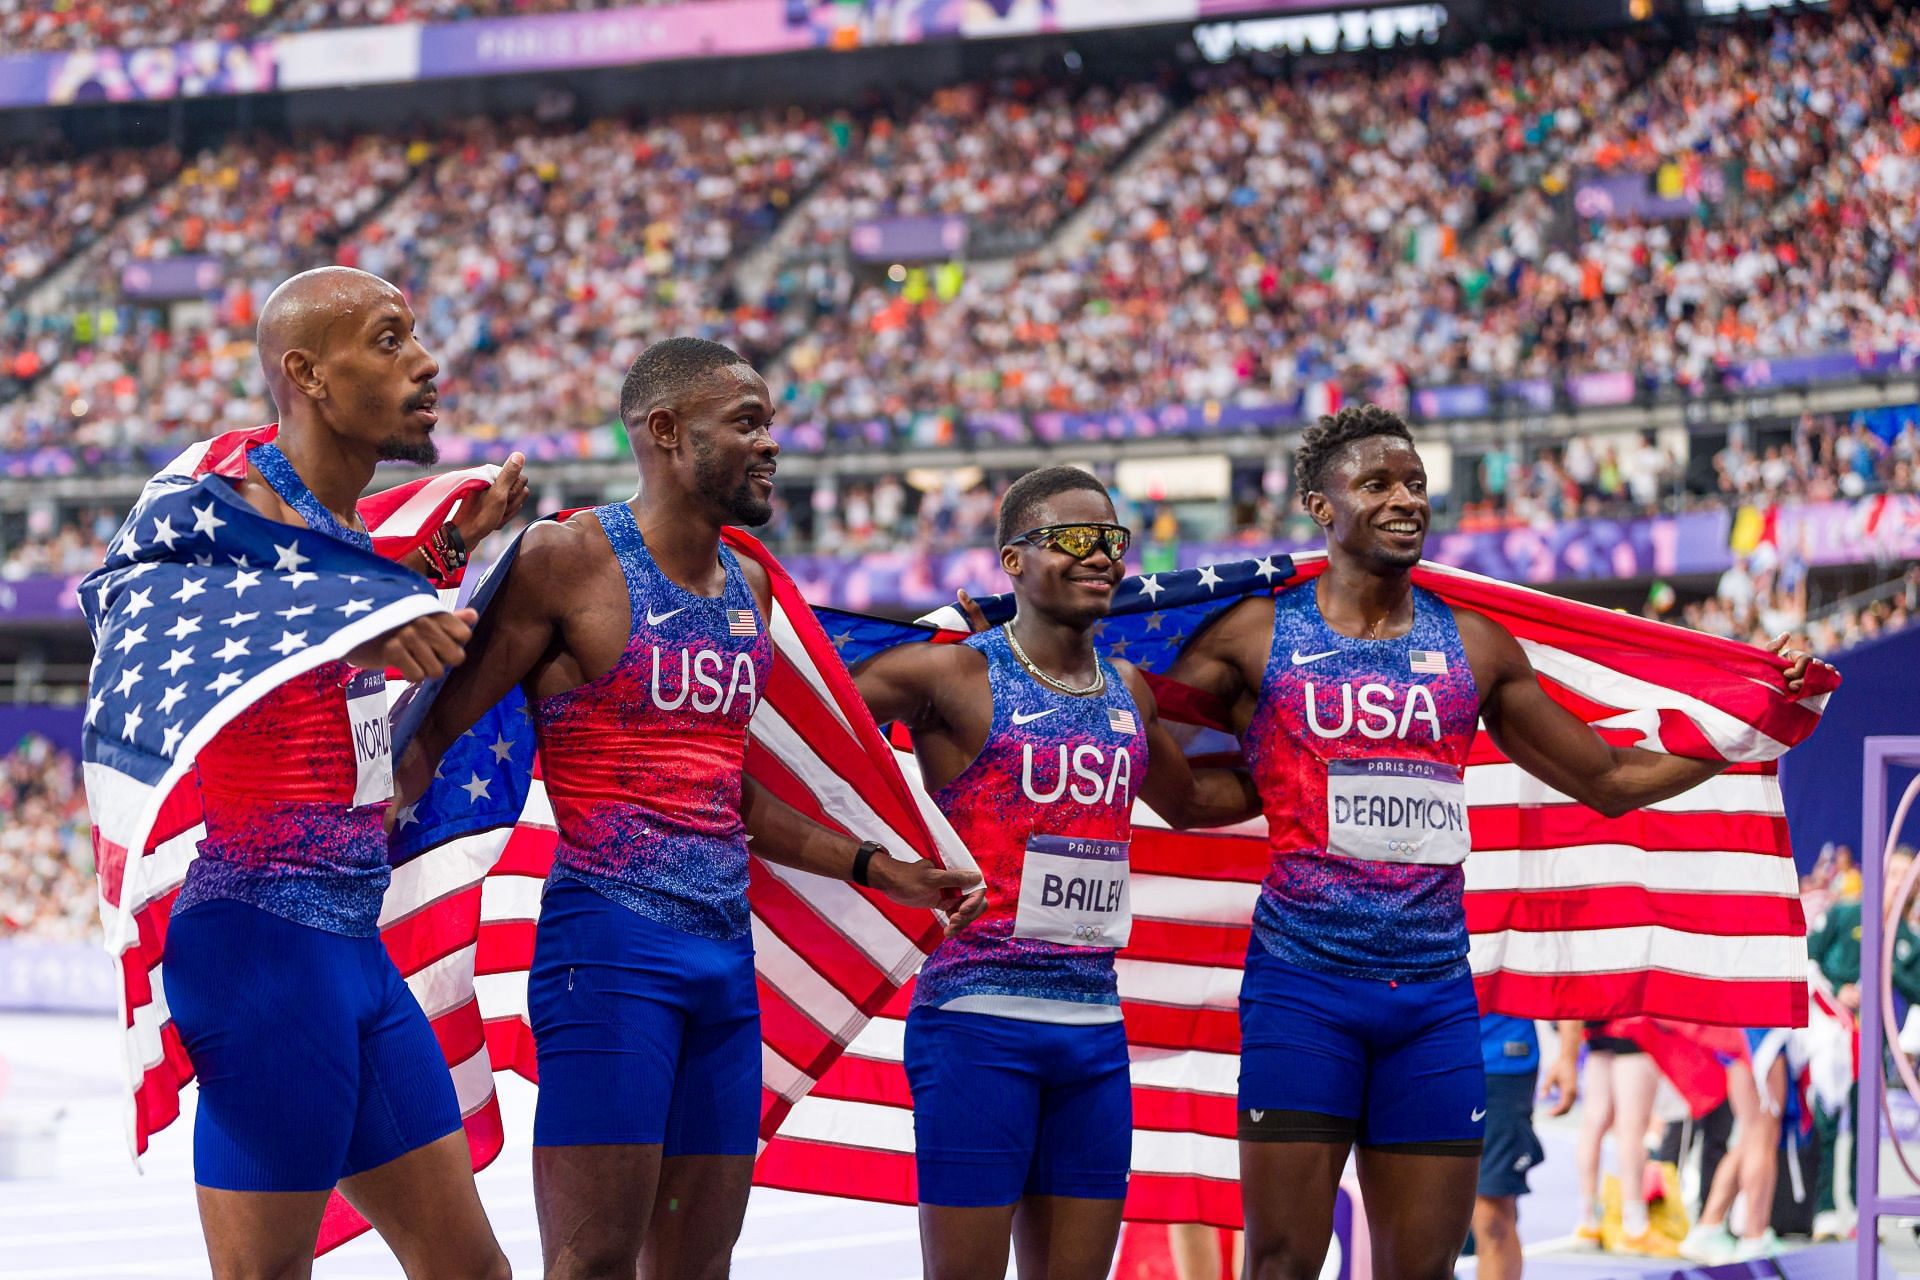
1359,750
644,765
295,789
1046,809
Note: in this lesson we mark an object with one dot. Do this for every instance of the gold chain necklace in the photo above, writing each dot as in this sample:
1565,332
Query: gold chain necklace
1099,673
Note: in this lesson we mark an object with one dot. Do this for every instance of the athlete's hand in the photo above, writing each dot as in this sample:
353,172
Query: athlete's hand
424,649
921,884
976,616
1797,673
498,503
1561,1082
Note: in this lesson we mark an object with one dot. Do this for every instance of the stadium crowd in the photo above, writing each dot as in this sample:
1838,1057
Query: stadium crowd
46,845
1405,222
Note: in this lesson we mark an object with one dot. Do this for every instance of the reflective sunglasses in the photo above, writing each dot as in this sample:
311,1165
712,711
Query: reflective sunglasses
1079,540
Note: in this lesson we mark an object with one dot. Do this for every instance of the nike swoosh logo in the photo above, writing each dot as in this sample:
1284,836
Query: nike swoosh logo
1302,659
654,621
1478,1115
1038,715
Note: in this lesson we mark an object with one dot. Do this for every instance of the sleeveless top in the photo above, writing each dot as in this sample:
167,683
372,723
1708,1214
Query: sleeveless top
294,789
643,765
1046,810
1359,750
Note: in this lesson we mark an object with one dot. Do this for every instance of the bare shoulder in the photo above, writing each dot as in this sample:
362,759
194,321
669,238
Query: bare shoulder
557,555
1135,679
1249,621
1484,638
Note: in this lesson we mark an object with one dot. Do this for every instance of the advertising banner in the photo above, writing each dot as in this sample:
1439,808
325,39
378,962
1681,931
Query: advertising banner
169,279
908,239
609,38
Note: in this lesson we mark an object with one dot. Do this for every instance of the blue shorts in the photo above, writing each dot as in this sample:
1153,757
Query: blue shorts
1005,1108
643,1033
1325,1058
315,1061
1513,1148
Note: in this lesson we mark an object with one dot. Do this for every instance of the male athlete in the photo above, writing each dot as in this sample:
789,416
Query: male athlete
316,1065
1355,700
643,648
1034,747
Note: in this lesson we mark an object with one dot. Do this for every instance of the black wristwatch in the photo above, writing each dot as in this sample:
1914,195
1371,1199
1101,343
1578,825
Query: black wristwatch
861,857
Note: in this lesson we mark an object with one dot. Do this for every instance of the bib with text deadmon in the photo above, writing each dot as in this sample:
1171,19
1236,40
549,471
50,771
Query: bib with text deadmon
1387,810
372,737
1073,891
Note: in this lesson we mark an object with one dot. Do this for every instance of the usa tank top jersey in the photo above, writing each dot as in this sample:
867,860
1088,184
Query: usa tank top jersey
643,765
295,788
1359,750
1046,809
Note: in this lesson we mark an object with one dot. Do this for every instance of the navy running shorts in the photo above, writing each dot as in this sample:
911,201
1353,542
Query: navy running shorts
1005,1108
1513,1148
643,1033
315,1061
1325,1058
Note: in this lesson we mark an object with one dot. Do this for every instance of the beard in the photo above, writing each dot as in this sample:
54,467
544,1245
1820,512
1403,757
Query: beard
741,500
400,449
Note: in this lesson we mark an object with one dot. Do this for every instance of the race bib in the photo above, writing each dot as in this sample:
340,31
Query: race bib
1385,810
372,737
1074,891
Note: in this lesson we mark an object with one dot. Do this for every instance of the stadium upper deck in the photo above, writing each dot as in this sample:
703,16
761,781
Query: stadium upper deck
1239,236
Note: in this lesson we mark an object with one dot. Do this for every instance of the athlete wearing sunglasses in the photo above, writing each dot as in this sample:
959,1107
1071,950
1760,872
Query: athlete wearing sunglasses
1035,746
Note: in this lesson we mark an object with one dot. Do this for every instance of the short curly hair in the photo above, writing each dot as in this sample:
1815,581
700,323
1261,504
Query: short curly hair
1324,440
666,371
1034,488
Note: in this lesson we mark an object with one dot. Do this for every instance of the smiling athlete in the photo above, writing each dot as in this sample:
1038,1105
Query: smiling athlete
1034,747
643,648
1355,698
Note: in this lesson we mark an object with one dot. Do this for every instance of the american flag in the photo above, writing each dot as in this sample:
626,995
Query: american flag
1121,721
203,607
740,622
1688,909
1427,662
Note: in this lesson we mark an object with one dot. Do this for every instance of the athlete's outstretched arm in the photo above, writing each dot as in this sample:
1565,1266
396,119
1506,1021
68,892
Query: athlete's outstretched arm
782,834
519,627
1229,658
1185,796
900,683
1558,747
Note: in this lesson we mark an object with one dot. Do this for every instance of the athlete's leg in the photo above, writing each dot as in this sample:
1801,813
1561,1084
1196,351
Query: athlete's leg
1068,1221
697,1214
1759,1162
1196,1251
1746,1118
593,1204
1065,1237
261,1235
607,1026
408,1169
1303,1080
1496,1237
1418,1210
713,1124
265,1153
1635,1082
1596,1098
1288,1191
976,1124
425,1206
965,1242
